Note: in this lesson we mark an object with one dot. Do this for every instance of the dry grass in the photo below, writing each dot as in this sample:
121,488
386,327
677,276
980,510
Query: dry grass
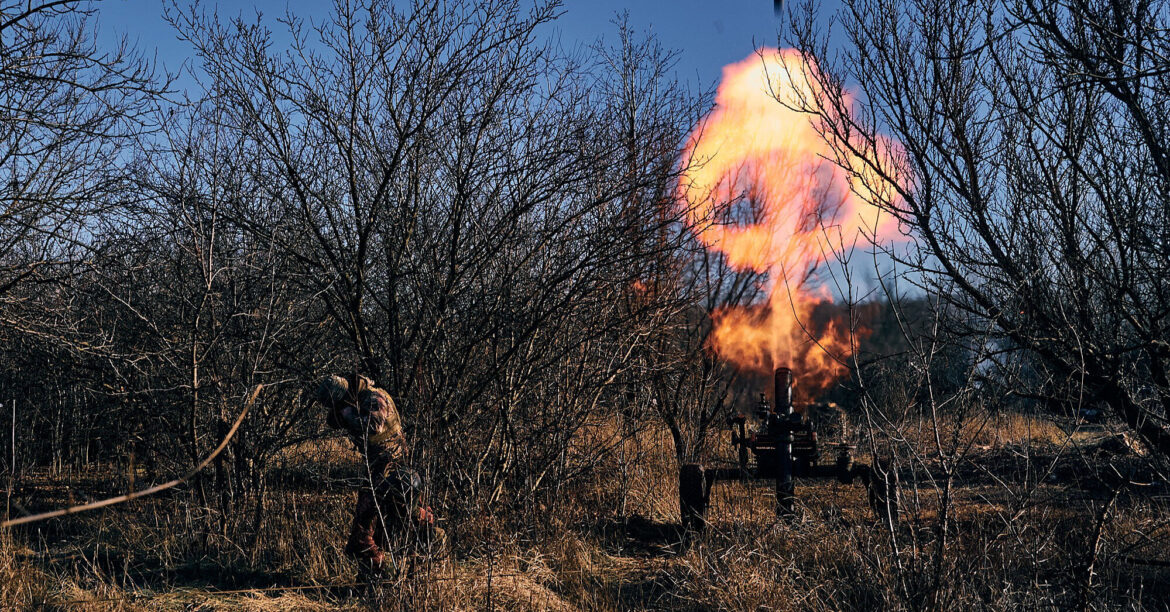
1012,428
1002,551
991,430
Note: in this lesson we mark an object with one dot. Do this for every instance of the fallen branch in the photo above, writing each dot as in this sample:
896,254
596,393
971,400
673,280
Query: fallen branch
144,492
1137,561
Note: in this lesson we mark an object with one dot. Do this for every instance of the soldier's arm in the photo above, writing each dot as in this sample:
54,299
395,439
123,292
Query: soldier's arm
371,419
350,418
379,416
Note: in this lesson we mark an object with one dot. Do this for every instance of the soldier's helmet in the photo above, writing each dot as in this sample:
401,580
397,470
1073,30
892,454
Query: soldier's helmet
332,391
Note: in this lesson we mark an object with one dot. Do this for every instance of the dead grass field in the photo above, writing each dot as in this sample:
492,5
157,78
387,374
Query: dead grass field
1019,526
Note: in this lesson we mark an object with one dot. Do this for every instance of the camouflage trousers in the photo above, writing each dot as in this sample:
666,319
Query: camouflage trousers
388,512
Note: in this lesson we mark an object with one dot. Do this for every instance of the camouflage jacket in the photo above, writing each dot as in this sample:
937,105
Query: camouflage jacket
372,422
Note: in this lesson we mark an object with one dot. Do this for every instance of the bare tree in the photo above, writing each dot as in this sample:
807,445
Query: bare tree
471,205
68,112
195,311
1027,162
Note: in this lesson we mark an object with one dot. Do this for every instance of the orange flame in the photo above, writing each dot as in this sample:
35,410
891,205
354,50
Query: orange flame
762,173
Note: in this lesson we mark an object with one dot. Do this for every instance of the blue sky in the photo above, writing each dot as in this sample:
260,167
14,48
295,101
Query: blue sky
708,34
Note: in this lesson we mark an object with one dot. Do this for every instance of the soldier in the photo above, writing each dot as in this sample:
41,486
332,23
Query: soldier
389,500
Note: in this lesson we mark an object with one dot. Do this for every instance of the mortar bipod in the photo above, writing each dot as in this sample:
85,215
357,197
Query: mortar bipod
695,483
784,445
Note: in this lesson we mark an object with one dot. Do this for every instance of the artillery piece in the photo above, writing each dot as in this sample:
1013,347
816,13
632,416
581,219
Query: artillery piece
782,446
